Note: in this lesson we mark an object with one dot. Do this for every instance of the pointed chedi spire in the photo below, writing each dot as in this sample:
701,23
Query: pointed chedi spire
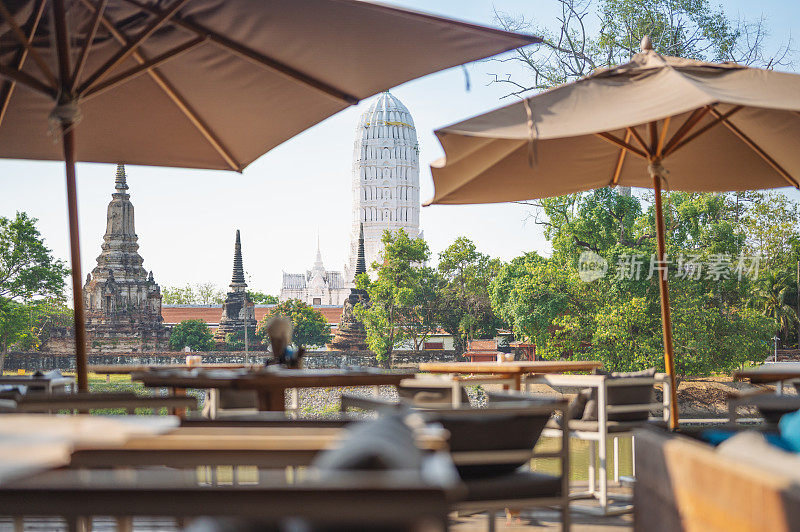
361,262
121,183
238,270
318,262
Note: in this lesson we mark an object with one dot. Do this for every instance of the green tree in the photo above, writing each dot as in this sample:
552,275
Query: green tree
769,297
14,323
235,341
465,308
43,316
615,318
27,267
261,298
398,296
178,295
29,278
208,294
310,326
195,334
592,34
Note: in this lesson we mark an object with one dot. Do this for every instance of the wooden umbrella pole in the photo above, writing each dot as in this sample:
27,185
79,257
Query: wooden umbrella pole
663,285
75,255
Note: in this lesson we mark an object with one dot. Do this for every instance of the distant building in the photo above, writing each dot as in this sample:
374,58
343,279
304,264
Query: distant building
385,178
385,188
317,286
123,301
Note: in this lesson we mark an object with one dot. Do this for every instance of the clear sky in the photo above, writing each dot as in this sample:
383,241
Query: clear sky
186,219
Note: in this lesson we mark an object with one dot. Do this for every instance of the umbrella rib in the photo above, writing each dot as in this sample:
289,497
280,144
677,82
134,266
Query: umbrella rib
254,56
10,84
620,160
138,70
87,45
687,126
173,95
662,136
27,80
756,148
26,43
719,118
638,137
132,45
622,144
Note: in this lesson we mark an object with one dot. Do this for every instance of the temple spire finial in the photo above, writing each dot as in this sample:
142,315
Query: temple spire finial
120,183
318,262
238,269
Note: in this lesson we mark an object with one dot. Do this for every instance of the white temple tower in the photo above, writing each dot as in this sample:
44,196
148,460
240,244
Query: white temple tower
385,177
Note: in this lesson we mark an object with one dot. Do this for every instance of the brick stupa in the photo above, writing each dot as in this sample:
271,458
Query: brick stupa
351,335
237,309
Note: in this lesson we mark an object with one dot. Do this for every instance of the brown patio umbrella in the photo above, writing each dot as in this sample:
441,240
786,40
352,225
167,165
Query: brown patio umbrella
201,83
695,126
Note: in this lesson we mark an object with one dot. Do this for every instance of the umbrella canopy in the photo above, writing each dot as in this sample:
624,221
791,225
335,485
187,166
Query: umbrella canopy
697,126
212,83
201,83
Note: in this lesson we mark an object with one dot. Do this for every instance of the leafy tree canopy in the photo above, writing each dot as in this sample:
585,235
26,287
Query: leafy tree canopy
465,308
195,334
27,267
591,34
402,296
260,298
310,326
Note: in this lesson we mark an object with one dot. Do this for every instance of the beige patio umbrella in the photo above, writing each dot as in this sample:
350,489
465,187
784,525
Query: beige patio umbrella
201,83
654,121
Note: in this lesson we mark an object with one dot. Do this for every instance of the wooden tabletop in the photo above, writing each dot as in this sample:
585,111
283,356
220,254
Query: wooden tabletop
768,373
32,443
272,379
124,369
511,368
322,378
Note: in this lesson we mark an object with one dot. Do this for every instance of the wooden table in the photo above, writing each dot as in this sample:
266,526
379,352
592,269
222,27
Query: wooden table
769,373
41,383
350,499
270,385
35,450
127,369
31,443
270,447
515,371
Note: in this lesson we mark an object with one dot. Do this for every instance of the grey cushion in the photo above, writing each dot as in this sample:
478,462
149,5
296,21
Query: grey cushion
489,431
430,396
622,395
383,444
517,485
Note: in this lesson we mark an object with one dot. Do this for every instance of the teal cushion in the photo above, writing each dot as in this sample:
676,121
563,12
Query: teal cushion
790,430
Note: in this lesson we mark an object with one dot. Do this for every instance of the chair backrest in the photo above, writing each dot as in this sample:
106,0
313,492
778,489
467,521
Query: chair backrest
626,389
237,399
496,432
430,396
